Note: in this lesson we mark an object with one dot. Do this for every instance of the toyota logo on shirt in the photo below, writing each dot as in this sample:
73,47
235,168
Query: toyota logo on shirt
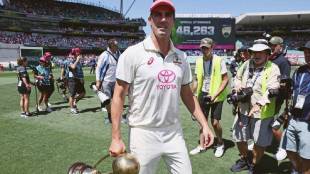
166,76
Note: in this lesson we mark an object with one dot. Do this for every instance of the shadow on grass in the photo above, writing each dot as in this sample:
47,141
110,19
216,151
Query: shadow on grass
270,165
90,110
57,108
59,103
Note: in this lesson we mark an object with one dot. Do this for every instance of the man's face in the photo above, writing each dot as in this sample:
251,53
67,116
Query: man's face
275,48
260,57
307,56
206,51
114,48
161,21
245,55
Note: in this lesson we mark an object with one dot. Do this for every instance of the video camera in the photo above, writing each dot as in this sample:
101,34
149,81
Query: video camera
243,95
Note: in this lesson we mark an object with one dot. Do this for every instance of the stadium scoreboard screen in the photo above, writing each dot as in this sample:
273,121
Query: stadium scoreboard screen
32,54
188,31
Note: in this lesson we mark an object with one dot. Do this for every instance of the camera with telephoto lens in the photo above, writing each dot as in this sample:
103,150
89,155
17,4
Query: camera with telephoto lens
244,95
285,89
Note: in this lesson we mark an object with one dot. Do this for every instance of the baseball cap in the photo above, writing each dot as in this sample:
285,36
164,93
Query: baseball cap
157,3
276,40
206,42
259,47
75,51
48,55
306,46
43,59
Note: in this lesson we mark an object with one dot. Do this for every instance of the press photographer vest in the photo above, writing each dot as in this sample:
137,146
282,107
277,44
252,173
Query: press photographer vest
216,78
268,110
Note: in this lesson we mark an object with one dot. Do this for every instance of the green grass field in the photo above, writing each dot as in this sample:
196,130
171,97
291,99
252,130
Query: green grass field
50,143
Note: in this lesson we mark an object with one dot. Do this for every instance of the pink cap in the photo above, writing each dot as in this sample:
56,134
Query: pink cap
43,59
48,55
158,3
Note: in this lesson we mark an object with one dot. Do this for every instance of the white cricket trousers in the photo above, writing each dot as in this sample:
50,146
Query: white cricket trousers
150,144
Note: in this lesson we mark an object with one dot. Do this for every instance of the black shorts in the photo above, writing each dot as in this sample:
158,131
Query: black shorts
75,86
44,88
216,109
52,87
23,90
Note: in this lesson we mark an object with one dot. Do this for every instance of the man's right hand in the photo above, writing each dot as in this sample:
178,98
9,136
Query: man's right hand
117,147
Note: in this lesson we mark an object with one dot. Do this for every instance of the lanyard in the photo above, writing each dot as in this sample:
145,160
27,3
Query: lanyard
300,89
209,69
253,82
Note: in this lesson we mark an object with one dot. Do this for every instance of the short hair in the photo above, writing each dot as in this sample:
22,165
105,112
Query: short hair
21,60
112,42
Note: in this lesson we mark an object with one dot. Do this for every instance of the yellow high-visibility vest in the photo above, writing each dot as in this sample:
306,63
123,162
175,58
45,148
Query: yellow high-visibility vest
216,78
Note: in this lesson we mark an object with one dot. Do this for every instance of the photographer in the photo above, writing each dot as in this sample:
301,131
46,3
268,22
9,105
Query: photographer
297,135
75,79
212,80
43,77
255,112
23,86
48,56
277,57
105,73
241,56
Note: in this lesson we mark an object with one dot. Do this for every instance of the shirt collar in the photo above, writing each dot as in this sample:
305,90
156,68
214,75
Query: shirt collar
149,46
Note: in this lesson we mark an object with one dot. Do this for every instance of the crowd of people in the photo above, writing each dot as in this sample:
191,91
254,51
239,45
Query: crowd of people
53,40
61,10
292,42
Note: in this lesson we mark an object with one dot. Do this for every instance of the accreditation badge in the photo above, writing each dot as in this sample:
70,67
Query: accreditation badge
300,101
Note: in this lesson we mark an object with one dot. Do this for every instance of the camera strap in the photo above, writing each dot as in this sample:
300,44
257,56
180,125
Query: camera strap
111,54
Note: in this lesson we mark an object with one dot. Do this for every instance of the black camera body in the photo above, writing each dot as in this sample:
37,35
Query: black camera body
244,95
285,89
61,83
205,98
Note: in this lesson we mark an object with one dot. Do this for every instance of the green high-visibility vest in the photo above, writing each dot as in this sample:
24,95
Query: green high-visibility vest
216,78
268,110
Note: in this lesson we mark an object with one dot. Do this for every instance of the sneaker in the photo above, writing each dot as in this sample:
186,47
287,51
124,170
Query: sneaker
27,114
241,164
104,110
124,121
219,151
49,105
281,154
48,109
74,111
106,120
251,146
294,171
251,169
40,108
197,150
22,114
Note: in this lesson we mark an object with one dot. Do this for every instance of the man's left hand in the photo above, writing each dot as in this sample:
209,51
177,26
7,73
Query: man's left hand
255,108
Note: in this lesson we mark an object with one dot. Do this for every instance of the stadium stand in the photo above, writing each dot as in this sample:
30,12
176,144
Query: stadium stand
294,27
66,25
